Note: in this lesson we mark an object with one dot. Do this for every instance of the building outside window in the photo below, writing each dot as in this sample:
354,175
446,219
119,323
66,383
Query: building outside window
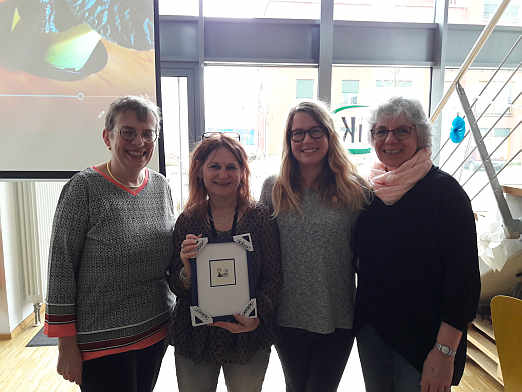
254,101
350,90
304,89
510,16
481,11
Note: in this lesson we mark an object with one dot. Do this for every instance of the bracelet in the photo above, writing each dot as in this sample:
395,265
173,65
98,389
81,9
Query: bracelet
446,350
183,277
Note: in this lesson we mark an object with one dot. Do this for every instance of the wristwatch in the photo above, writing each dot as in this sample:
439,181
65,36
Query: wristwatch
446,350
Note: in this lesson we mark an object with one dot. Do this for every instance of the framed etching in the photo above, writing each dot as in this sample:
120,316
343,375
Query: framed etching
223,280
222,272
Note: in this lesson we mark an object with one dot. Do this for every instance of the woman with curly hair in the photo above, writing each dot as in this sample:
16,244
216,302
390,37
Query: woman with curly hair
219,207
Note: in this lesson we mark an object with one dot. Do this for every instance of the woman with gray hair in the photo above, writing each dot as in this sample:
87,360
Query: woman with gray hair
108,301
416,260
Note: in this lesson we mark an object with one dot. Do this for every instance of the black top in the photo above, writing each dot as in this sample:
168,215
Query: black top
417,265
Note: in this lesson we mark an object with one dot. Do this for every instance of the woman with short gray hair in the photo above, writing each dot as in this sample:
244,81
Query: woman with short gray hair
108,301
416,261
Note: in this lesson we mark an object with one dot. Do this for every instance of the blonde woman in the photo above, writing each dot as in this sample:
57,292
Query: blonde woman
315,200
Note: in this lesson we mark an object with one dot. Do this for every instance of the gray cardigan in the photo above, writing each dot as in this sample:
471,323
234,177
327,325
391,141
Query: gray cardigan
318,276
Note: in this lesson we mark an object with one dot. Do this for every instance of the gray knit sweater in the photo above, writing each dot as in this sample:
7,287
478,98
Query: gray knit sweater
107,261
318,277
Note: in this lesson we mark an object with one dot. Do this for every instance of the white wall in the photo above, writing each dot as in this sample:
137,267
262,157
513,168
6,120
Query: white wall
4,311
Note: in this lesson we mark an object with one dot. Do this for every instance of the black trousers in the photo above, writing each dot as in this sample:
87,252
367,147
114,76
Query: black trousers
312,361
131,371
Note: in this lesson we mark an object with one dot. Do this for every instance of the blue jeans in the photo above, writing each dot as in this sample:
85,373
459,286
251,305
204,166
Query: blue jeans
384,370
203,377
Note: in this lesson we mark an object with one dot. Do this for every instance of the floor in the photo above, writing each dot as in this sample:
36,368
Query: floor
274,381
32,369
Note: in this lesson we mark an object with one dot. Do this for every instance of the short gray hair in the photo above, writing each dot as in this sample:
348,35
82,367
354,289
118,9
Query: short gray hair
140,105
412,110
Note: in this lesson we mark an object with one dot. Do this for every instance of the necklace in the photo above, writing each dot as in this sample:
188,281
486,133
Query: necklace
119,182
211,219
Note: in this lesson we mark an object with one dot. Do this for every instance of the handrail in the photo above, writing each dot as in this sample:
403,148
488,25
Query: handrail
488,29
512,227
496,175
491,154
485,87
483,137
496,70
484,111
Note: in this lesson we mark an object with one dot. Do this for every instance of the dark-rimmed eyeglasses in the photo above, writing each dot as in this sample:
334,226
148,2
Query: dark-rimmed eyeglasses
400,133
233,135
298,135
147,135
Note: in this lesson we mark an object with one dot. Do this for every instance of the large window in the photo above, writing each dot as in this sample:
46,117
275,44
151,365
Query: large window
481,11
181,7
420,11
489,113
355,89
288,9
254,101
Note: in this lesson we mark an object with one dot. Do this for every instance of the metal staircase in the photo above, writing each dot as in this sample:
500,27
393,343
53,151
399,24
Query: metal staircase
481,340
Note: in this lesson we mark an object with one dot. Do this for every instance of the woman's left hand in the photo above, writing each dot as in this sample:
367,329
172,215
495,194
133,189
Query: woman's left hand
437,372
244,324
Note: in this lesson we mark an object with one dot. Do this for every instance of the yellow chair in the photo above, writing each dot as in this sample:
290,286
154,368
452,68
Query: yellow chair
506,314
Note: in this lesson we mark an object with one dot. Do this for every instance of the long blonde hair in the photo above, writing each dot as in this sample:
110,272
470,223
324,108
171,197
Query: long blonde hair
197,191
339,184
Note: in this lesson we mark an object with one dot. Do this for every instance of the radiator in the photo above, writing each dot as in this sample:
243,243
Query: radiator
29,244
47,194
36,206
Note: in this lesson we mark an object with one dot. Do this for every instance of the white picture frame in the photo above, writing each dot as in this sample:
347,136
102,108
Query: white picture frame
223,281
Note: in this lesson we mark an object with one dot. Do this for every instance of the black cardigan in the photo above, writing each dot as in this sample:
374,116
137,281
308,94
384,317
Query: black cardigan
417,265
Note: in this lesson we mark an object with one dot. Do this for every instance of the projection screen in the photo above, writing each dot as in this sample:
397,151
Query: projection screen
62,62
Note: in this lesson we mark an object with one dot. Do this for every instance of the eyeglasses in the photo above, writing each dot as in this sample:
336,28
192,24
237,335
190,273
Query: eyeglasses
233,135
400,133
129,134
298,135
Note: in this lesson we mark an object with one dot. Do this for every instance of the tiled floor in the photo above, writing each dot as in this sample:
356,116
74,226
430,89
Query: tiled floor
274,381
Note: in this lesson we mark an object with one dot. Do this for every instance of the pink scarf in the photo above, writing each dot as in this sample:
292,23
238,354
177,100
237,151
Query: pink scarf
390,186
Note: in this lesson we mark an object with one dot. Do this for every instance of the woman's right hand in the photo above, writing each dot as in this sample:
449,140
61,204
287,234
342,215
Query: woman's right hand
69,359
188,251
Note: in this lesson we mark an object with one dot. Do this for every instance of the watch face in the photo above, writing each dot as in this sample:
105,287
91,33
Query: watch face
445,349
